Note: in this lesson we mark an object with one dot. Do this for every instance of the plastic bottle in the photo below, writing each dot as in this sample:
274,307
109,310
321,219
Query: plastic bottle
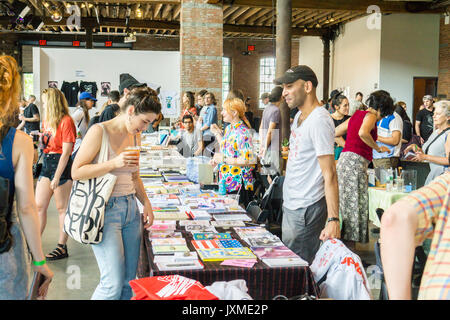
222,187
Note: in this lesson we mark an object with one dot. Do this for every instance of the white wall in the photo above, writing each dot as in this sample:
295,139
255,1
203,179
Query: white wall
356,59
409,48
102,65
311,54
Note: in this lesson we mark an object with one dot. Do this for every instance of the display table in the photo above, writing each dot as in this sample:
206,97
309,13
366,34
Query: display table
263,283
380,198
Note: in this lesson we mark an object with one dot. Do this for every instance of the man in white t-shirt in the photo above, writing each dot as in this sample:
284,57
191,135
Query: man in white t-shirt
389,130
310,189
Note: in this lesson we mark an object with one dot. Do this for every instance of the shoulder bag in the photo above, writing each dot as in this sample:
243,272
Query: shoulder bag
84,218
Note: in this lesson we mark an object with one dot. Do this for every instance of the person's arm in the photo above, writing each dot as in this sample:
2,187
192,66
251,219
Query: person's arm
217,132
83,168
328,167
392,141
272,127
341,129
418,128
21,125
443,161
26,203
367,125
398,222
340,141
35,118
147,215
200,146
209,119
66,153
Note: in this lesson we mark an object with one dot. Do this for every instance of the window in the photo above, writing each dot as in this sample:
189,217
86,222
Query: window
226,76
266,76
27,79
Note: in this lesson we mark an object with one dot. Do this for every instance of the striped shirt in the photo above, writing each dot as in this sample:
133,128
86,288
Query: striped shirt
432,203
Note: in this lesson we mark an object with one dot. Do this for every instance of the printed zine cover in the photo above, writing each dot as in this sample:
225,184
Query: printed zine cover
169,242
165,234
274,252
264,241
228,224
169,249
230,216
211,244
248,232
285,262
211,236
185,265
225,254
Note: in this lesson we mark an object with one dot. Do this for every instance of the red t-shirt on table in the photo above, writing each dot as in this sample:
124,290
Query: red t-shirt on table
66,132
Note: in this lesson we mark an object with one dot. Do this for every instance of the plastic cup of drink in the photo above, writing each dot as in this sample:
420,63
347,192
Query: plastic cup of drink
134,151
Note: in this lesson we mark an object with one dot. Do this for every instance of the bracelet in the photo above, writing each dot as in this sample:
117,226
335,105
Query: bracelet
39,263
333,219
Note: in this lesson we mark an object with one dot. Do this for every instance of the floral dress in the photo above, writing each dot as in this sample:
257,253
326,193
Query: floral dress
237,143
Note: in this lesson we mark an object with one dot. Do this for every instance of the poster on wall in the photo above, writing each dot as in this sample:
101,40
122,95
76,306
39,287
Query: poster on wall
53,84
169,103
106,88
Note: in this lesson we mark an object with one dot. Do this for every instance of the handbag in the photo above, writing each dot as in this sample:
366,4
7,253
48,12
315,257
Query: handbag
84,218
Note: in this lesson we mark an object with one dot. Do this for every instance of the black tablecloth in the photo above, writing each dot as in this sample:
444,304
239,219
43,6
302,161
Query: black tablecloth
263,283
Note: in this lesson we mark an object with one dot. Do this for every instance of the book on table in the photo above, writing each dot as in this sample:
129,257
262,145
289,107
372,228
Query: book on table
185,223
285,262
183,265
200,228
211,235
231,216
168,242
164,234
274,252
163,225
228,223
264,241
220,254
169,249
211,244
247,232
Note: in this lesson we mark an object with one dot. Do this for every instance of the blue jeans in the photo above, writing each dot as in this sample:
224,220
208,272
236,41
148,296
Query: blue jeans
118,253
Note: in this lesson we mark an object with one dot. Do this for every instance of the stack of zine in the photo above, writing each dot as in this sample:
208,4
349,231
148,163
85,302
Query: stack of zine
269,248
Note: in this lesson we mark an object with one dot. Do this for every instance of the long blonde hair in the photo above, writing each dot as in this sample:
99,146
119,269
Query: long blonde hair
55,108
237,105
9,88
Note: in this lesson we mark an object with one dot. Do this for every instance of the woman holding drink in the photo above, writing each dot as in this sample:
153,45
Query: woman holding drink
118,253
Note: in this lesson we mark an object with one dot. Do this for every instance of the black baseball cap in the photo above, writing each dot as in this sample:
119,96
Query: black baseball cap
129,82
298,72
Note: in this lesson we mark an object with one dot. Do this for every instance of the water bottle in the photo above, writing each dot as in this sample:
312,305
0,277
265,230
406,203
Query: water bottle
222,187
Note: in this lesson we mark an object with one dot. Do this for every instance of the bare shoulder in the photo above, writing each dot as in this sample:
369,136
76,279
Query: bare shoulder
22,141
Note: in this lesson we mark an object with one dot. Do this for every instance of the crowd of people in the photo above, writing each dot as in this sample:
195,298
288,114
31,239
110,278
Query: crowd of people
331,146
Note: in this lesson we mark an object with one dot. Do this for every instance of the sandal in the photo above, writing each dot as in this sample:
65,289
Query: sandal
60,252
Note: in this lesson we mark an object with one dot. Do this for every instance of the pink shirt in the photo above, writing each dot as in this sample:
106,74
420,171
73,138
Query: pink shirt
354,143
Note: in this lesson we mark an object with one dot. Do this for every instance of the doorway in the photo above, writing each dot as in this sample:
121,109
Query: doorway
422,87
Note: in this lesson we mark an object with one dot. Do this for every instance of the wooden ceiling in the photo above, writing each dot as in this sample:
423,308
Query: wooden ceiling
241,18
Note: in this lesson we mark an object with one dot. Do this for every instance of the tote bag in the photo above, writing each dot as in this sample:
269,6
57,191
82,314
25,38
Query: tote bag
84,218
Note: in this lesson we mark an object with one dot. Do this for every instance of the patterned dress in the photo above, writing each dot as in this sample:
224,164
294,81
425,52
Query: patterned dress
237,143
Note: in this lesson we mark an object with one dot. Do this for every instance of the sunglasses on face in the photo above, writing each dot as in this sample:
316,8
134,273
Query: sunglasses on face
187,122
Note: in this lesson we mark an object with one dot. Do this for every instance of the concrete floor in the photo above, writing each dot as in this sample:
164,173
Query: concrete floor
77,276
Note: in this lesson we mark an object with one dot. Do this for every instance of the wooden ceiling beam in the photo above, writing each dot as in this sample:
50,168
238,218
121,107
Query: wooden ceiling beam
237,14
247,15
228,12
261,13
157,10
36,6
166,12
313,20
354,5
176,12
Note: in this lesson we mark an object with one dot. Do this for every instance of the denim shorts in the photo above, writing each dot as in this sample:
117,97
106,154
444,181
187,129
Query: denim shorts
49,166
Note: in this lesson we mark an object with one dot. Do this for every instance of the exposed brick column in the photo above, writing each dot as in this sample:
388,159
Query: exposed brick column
444,60
201,47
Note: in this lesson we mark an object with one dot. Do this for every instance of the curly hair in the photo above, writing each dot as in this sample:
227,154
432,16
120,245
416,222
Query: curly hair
10,88
381,101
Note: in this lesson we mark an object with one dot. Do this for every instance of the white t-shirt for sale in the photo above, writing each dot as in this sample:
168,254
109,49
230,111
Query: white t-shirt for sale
304,184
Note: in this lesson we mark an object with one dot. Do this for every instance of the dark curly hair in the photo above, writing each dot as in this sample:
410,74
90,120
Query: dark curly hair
144,100
381,100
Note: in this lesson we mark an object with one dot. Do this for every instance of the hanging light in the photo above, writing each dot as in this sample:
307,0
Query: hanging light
318,25
46,4
331,19
305,30
83,5
327,21
139,13
90,5
56,16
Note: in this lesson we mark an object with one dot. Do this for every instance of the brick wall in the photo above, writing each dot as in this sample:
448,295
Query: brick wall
201,47
444,60
9,45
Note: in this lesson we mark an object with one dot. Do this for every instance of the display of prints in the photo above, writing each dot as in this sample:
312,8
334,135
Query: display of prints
264,241
168,242
227,224
164,234
225,253
199,228
273,252
176,257
246,232
105,88
211,236
285,262
194,223
53,84
186,265
230,216
163,225
205,244
229,243
169,249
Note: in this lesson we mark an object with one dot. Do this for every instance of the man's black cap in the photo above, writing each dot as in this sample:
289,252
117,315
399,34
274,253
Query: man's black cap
298,72
128,82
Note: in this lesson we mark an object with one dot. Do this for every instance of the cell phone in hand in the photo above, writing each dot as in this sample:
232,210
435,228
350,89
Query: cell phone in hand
410,155
38,280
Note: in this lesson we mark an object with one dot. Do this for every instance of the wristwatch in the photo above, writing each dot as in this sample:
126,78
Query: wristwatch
333,219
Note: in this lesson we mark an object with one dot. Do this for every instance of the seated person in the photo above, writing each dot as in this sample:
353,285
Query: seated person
404,226
189,142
